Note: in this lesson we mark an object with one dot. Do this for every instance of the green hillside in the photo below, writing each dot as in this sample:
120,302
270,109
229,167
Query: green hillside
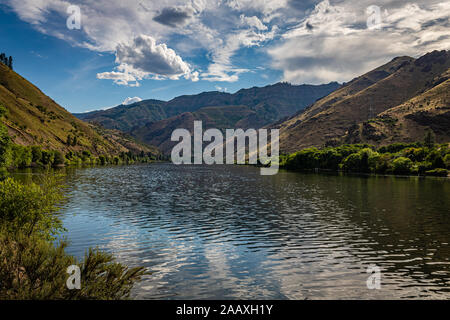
32,118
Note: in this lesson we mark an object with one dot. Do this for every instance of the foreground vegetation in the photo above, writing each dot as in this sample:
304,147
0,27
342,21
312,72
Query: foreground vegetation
420,158
32,266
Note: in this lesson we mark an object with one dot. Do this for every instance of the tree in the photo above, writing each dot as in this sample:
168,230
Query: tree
429,139
10,63
36,153
59,159
32,208
402,165
69,140
436,159
5,141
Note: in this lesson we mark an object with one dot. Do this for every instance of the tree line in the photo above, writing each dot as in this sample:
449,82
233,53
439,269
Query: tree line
8,61
18,156
419,158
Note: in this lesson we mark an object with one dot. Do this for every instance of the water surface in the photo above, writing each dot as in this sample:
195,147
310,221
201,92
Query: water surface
225,232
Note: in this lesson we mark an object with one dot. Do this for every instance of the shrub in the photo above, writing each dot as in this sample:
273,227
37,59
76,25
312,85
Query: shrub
363,161
436,159
5,141
330,159
48,157
32,268
21,156
59,158
402,165
415,154
437,172
394,148
424,166
36,154
103,160
304,160
447,161
31,208
383,163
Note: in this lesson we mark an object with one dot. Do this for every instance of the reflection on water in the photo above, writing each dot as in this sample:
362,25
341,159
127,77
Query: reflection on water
227,232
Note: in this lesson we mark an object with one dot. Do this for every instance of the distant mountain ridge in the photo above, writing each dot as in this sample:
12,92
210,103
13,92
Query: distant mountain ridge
283,98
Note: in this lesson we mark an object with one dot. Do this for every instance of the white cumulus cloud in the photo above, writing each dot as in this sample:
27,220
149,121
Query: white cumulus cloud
334,42
130,100
143,58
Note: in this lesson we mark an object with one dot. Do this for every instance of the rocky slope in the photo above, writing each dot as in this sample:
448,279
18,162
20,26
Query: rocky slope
382,93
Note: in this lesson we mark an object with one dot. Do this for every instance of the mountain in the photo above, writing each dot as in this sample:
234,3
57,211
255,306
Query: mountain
126,117
283,99
395,102
410,120
35,119
159,133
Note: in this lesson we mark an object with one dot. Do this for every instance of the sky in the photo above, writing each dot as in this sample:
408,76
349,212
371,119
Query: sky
96,54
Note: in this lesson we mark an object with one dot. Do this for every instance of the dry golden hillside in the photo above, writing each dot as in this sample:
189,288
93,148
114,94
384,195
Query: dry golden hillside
410,121
366,97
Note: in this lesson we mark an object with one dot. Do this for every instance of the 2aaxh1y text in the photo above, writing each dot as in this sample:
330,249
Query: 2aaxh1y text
225,309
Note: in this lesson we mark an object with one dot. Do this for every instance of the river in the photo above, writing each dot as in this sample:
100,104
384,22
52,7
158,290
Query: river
226,232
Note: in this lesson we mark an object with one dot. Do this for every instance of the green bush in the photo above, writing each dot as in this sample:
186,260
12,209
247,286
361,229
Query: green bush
48,157
21,156
424,166
396,147
59,158
330,159
384,163
437,172
32,268
31,208
402,165
415,154
447,161
36,153
304,160
103,161
363,161
5,141
436,159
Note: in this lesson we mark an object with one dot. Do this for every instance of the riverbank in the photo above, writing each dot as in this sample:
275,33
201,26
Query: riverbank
415,159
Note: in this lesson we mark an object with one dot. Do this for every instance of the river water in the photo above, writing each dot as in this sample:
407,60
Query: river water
226,232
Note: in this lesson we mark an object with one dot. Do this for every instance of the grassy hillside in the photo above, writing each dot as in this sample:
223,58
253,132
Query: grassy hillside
366,97
35,119
125,118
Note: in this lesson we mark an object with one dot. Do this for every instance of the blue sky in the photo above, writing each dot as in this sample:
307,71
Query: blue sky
144,49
